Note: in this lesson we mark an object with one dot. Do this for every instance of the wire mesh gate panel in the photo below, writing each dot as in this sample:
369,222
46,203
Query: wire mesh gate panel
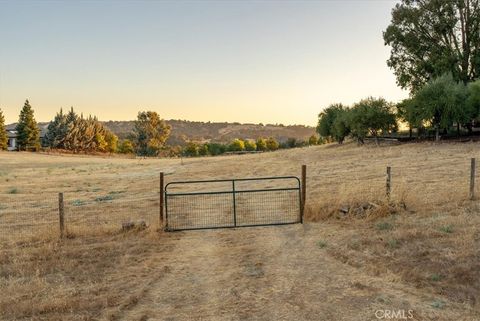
226,203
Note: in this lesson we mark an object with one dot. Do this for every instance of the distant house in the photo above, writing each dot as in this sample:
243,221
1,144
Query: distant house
12,135
12,139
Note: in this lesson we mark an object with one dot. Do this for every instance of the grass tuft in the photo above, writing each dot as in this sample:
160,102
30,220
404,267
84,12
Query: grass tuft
13,190
384,226
321,244
446,229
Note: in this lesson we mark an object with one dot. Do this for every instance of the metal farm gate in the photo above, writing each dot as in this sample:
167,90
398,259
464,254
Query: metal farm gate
224,203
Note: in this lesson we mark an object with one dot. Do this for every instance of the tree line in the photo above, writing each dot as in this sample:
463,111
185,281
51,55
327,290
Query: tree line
442,106
248,145
76,133
435,54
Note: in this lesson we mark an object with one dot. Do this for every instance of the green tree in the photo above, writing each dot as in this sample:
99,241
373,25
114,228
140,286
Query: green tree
473,100
216,148
408,113
272,144
432,37
125,147
442,102
333,123
203,150
112,141
56,131
261,144
191,149
291,142
3,133
237,145
150,133
371,116
250,145
27,129
341,126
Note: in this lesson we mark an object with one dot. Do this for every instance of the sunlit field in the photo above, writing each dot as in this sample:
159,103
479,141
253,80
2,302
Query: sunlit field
356,253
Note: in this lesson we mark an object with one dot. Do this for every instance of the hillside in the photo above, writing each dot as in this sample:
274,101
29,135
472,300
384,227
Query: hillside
184,130
219,132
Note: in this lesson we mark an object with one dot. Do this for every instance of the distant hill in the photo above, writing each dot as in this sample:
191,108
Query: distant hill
183,130
218,132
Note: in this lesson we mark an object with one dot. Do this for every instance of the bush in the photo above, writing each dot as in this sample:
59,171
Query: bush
216,148
313,140
125,147
272,144
291,142
250,145
261,144
191,149
237,145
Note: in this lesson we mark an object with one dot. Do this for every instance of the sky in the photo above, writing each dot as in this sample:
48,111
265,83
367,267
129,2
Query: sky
236,61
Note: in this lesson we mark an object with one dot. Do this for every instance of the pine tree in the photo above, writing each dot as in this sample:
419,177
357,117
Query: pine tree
56,131
27,129
3,133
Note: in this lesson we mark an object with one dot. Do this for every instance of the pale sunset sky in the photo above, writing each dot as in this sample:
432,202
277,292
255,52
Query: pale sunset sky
243,61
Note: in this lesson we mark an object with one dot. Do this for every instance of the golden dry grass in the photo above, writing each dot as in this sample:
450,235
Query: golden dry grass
418,250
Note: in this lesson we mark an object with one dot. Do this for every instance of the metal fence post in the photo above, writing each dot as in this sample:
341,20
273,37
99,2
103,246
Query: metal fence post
234,204
389,181
61,214
472,178
304,192
162,194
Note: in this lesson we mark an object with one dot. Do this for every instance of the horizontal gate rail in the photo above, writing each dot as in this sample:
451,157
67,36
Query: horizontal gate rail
234,192
215,209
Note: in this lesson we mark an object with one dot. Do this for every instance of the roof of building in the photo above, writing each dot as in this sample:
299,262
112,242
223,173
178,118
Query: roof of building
12,132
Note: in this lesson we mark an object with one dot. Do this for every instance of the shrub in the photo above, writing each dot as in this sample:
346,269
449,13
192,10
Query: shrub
313,140
261,144
291,142
272,144
125,147
191,149
203,150
237,145
216,148
250,145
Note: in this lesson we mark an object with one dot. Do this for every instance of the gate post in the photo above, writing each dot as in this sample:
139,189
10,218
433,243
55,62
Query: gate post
388,185
472,179
162,194
234,204
61,214
304,192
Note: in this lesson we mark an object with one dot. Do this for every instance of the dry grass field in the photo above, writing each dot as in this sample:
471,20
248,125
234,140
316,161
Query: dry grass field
356,253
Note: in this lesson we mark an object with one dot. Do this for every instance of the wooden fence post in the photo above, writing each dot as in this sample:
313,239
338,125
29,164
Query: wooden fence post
61,214
472,179
162,194
304,192
389,181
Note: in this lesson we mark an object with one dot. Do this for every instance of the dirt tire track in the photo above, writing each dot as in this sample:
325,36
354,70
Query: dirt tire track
268,273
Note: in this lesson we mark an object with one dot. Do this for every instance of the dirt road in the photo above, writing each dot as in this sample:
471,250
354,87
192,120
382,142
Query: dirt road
269,273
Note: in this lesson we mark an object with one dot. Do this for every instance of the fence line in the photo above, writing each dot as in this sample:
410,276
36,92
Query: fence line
22,217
